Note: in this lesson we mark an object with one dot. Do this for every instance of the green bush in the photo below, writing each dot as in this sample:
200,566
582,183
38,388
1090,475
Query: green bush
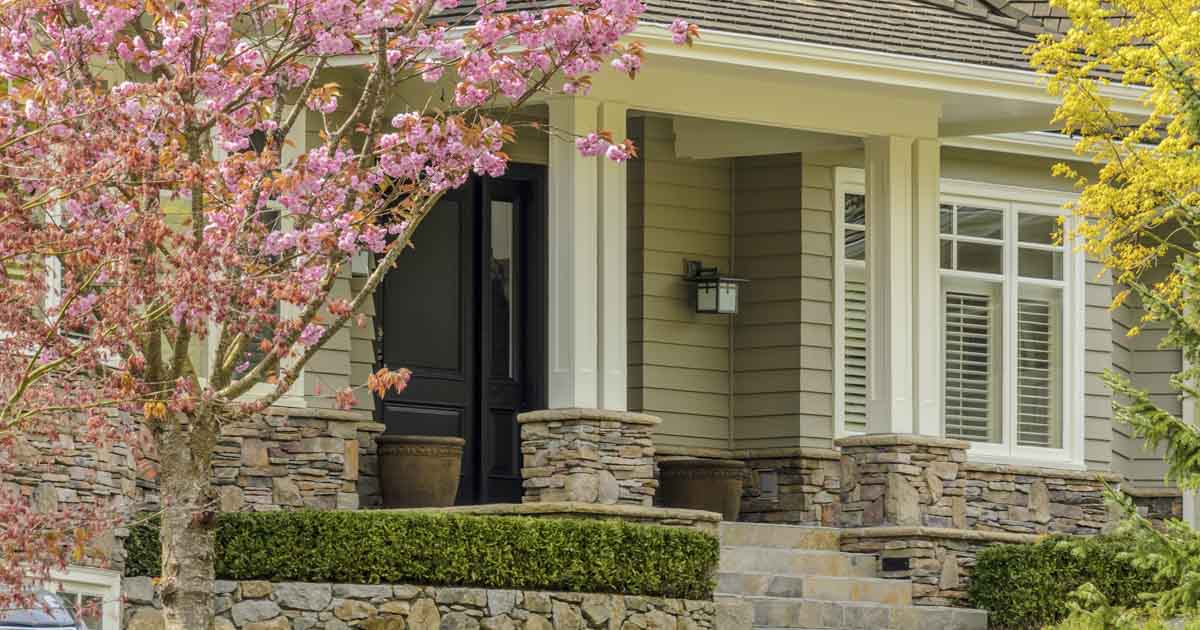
1026,587
457,550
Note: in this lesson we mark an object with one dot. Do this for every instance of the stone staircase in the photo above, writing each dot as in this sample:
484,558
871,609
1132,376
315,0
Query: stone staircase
796,578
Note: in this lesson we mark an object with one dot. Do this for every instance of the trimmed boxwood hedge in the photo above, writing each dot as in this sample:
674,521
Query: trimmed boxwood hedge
500,552
1024,587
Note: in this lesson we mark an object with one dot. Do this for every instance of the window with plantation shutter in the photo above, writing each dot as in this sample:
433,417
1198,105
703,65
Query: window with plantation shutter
1011,316
854,322
970,400
1039,384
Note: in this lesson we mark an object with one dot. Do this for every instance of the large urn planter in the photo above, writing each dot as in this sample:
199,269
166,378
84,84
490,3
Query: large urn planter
714,485
419,470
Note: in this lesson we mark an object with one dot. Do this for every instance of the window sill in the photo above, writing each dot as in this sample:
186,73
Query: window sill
1060,462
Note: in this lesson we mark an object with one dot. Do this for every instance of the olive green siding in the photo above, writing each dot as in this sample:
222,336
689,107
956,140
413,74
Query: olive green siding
783,336
678,359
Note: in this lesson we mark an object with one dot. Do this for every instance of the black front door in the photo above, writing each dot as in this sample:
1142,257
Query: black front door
463,309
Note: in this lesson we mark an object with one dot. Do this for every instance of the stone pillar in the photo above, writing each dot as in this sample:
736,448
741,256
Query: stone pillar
903,480
588,456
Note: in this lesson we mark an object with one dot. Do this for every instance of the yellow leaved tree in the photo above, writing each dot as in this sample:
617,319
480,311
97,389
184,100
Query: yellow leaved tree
1141,219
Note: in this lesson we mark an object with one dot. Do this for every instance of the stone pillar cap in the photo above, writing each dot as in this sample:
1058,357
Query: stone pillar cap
578,413
901,439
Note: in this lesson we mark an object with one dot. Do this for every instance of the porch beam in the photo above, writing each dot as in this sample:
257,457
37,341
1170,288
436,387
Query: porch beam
889,188
573,260
612,265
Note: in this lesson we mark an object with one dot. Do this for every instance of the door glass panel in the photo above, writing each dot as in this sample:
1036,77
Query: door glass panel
501,285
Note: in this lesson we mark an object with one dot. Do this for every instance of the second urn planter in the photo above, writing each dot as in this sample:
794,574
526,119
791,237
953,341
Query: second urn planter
419,470
714,485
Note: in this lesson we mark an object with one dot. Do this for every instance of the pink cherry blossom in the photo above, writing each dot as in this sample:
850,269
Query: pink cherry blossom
178,246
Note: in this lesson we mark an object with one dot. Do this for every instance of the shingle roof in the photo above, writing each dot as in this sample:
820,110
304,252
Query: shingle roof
982,32
947,30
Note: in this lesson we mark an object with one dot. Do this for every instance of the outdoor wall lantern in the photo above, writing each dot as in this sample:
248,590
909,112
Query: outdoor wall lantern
714,293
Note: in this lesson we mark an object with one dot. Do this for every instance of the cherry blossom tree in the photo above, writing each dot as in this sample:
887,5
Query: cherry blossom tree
147,208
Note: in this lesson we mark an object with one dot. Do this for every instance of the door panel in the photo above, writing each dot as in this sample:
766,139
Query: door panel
462,310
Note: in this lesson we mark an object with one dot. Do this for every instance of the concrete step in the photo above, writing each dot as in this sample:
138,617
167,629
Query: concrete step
794,562
779,613
785,536
818,588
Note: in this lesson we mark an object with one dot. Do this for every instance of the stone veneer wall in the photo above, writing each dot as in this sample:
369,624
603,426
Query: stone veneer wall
1158,504
938,561
794,486
66,471
310,458
287,458
293,606
588,456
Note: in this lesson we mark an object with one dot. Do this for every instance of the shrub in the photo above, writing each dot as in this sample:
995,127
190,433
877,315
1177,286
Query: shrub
454,550
1025,587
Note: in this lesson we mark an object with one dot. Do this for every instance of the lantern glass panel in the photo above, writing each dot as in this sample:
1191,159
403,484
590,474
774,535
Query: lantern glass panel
727,302
706,297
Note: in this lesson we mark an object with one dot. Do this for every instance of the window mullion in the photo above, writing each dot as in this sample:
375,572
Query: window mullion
1011,289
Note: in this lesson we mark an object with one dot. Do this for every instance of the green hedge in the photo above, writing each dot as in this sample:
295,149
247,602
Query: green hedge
454,550
1026,587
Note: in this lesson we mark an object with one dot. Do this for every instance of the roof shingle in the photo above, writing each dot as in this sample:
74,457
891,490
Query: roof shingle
991,33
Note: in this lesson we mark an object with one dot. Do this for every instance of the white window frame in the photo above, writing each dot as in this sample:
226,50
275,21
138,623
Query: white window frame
101,583
847,181
1014,200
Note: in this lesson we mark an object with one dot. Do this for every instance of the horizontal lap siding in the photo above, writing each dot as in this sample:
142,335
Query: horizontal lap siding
1099,335
1149,368
678,360
783,336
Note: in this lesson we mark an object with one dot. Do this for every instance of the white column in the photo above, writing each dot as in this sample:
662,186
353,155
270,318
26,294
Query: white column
889,188
613,263
927,287
573,260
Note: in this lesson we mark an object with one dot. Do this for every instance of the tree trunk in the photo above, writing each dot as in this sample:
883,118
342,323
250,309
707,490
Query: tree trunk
188,522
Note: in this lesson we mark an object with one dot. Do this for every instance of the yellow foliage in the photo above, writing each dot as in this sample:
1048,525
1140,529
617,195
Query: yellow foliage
1143,208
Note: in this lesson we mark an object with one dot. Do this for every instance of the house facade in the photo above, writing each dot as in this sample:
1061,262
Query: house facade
914,358
879,173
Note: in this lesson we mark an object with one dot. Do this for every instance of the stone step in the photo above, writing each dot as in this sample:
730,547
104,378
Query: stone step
794,562
785,536
779,613
818,588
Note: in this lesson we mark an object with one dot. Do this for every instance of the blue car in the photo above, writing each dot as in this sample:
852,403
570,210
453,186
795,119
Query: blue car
49,611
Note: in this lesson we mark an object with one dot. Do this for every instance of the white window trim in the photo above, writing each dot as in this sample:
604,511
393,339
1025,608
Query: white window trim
1071,455
101,583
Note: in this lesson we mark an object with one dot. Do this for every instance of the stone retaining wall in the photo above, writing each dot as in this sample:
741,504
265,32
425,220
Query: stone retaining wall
938,561
293,606
588,456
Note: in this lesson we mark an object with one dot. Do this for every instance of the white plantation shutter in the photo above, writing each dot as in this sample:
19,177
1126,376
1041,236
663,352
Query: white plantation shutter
972,352
1037,373
854,323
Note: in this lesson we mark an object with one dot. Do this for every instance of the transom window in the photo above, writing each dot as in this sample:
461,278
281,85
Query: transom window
1009,294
